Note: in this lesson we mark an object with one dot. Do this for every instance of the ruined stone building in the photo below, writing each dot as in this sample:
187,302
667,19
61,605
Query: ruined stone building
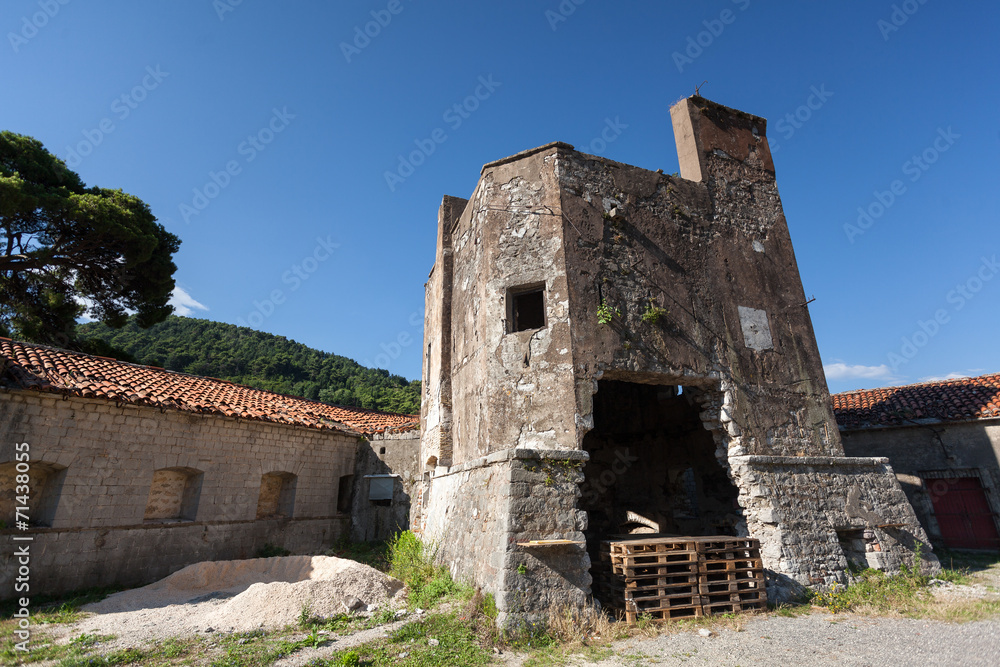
943,441
135,472
611,350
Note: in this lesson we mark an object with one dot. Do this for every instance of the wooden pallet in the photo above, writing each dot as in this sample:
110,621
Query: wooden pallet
681,577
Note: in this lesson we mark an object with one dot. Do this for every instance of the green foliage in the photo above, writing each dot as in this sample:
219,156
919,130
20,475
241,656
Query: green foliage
346,659
653,314
255,359
412,562
305,615
605,313
878,590
269,551
60,241
126,657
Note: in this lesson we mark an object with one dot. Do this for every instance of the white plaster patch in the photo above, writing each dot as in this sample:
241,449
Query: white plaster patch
758,246
756,331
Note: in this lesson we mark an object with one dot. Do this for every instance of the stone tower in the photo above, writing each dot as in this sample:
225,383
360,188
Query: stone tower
611,350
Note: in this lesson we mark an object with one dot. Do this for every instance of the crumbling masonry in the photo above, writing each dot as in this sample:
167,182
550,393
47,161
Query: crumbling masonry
612,351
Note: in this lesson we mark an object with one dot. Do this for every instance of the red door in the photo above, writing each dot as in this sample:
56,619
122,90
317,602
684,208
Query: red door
963,513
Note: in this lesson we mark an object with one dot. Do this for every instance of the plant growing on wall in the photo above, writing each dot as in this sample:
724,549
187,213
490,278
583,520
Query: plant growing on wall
653,314
606,313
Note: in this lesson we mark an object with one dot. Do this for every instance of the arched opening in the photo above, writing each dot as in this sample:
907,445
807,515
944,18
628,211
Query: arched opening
277,495
33,487
173,495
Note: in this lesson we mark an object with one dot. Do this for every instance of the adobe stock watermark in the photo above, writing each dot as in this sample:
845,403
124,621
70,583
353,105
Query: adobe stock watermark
562,12
915,167
30,25
249,148
900,14
609,134
394,348
363,35
714,28
122,107
791,122
223,7
296,274
958,298
21,550
454,116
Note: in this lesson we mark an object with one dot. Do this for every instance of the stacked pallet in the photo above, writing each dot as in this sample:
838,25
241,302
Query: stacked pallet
678,577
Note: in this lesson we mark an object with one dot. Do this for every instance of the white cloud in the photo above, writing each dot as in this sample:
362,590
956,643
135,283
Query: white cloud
842,371
183,303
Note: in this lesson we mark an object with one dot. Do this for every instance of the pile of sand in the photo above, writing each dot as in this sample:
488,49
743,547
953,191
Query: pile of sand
241,595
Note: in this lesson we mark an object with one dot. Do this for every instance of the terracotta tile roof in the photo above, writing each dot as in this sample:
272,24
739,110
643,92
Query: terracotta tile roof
46,369
962,399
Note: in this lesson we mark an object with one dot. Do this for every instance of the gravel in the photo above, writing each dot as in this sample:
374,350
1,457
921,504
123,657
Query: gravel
822,639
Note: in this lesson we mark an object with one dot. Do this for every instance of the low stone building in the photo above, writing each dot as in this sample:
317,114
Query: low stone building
120,474
610,350
943,441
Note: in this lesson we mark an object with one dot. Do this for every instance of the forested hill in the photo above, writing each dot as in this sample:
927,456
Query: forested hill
253,358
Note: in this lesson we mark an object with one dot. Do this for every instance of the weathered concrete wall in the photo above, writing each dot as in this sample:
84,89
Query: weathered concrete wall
106,456
921,453
389,454
486,506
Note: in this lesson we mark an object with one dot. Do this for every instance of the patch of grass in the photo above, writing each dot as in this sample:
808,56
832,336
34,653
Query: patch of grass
270,551
373,554
964,611
126,657
57,608
305,615
874,590
88,640
789,610
258,649
440,640
39,647
412,562
175,648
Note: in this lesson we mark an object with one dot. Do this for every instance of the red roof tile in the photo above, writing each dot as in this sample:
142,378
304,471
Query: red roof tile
46,369
962,399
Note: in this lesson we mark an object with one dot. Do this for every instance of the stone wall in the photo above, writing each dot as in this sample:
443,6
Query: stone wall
100,459
386,454
64,560
922,453
802,509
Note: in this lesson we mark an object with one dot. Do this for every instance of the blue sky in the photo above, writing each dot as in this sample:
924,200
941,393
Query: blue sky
302,161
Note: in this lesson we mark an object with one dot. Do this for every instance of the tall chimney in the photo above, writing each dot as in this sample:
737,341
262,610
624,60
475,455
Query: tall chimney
703,128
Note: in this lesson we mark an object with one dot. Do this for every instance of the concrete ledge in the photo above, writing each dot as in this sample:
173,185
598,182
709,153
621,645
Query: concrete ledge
828,461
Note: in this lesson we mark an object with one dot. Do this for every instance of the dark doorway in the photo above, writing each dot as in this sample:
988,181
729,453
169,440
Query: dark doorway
652,468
